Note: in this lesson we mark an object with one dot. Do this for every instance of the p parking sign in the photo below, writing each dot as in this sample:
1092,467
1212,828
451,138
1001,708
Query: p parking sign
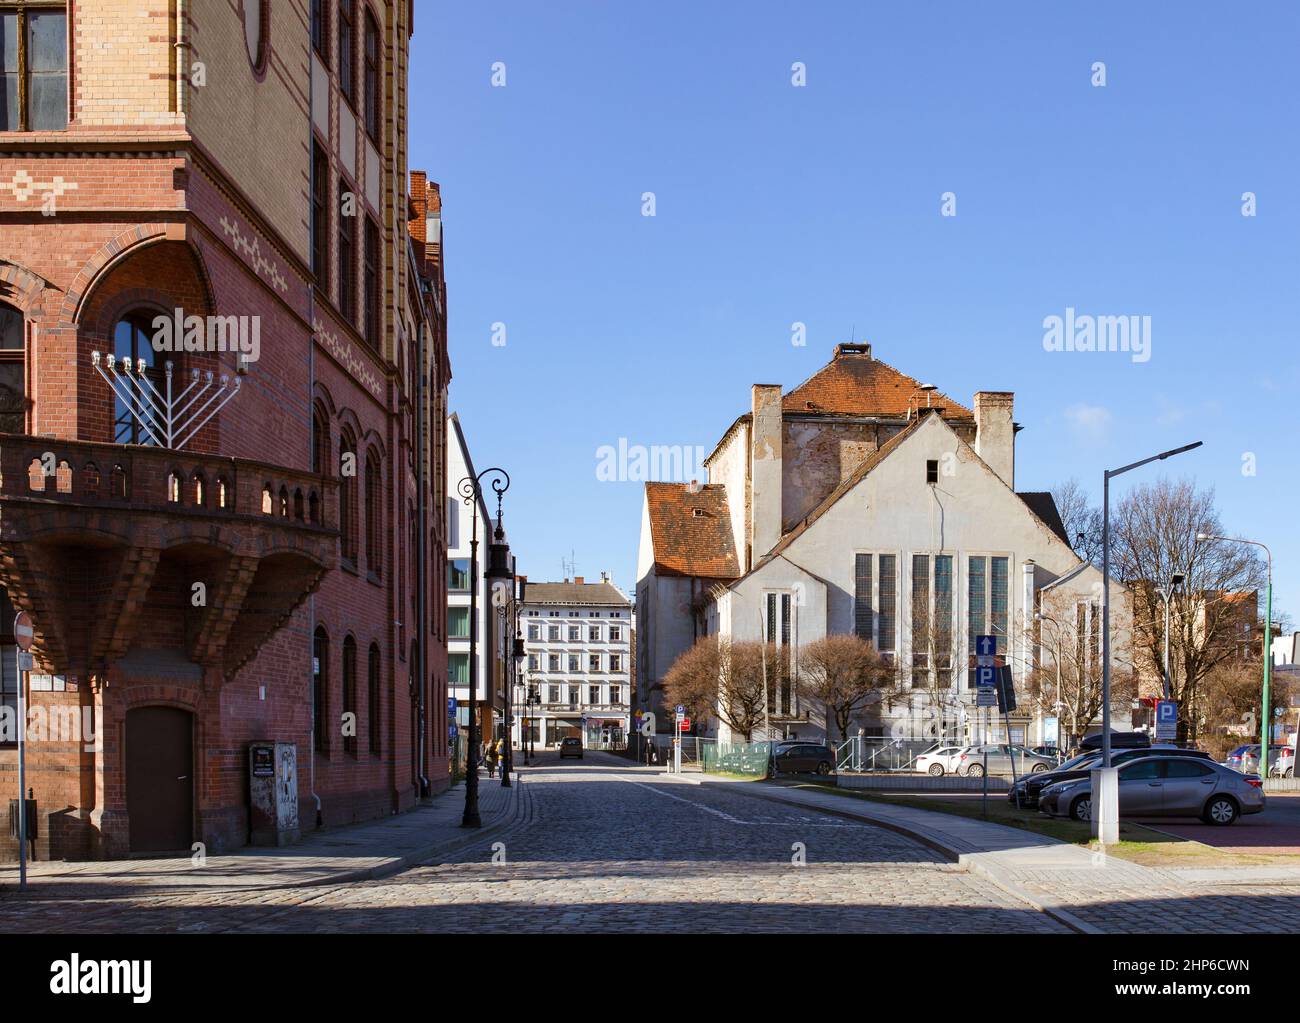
1166,719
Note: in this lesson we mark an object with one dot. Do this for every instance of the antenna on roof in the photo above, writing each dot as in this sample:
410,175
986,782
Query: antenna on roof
568,566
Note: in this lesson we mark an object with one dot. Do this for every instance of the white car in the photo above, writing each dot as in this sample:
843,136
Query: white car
1283,764
939,762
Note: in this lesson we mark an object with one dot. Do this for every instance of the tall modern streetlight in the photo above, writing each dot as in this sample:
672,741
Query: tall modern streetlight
1105,782
1167,593
498,568
1266,714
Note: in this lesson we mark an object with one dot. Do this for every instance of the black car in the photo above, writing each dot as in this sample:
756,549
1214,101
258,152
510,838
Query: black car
571,746
1025,791
1118,740
805,758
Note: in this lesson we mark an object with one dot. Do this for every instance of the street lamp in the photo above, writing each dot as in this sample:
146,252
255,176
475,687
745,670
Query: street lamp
1166,594
1105,787
1266,715
508,611
471,490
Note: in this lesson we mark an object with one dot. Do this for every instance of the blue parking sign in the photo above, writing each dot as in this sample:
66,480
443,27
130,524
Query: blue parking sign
1166,719
986,678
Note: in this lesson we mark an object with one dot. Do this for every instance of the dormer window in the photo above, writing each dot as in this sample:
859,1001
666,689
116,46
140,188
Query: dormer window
932,470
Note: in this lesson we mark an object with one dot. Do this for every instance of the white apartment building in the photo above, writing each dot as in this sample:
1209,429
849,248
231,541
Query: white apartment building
578,645
460,524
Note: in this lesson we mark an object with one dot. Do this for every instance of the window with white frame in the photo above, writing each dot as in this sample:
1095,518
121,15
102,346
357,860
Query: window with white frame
574,662
593,662
575,634
534,662
615,695
593,634
615,634
615,662
552,662
593,694
535,632
932,621
778,626
553,633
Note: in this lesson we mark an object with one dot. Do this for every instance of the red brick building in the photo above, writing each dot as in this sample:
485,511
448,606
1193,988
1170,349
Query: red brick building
277,571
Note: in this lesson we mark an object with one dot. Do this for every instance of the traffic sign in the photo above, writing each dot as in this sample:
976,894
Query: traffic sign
24,633
1166,719
986,676
986,696
986,646
26,662
686,724
680,710
1006,690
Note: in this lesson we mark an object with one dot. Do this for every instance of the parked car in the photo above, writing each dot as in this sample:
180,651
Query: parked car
1164,786
1025,792
1250,759
1002,759
571,746
805,758
1118,740
1047,751
939,762
1283,765
1233,759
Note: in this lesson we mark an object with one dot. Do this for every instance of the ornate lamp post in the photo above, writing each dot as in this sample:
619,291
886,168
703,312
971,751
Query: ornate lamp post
471,490
508,611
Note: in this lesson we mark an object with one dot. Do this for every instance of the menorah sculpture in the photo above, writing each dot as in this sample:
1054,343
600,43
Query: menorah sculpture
169,421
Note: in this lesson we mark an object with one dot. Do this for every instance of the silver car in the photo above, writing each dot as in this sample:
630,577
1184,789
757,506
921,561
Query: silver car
1001,759
1164,787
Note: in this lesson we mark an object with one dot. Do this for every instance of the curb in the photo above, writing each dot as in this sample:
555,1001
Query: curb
965,860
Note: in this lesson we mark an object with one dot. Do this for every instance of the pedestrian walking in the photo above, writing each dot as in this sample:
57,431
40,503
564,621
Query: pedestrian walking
491,760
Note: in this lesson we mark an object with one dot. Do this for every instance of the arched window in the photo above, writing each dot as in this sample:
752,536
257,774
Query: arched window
133,339
350,696
348,496
320,440
13,372
374,102
374,516
372,709
320,690
256,23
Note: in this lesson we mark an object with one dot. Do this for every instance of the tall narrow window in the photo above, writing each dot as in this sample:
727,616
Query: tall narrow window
780,696
348,497
998,601
374,517
887,601
921,626
13,372
320,690
372,702
943,619
255,25
373,102
862,596
320,441
370,284
33,66
347,253
349,720
347,72
320,217
320,30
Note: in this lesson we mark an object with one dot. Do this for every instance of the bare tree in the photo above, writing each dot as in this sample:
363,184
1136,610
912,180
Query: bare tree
1082,520
1154,535
720,678
844,672
1066,680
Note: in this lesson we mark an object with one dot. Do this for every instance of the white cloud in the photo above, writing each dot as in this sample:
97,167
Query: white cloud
1088,421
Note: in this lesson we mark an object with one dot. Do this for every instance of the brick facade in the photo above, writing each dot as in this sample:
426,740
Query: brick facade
193,191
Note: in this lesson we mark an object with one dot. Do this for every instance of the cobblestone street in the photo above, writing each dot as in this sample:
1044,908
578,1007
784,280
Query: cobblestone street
600,847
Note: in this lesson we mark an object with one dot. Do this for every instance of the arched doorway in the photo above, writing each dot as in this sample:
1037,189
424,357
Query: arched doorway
160,778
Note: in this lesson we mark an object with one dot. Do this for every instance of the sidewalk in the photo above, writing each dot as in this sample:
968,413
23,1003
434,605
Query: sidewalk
338,855
1087,891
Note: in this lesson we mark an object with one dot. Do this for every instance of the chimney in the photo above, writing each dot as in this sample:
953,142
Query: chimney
578,579
858,348
765,469
995,433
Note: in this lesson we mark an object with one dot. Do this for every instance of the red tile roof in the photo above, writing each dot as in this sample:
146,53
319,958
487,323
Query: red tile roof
855,383
691,533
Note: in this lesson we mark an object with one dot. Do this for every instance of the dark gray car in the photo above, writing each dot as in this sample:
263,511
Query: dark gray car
1162,786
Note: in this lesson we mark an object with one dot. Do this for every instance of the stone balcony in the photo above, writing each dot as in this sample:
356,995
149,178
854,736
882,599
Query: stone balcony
98,539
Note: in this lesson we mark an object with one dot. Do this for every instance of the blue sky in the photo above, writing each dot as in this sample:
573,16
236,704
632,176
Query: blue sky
821,205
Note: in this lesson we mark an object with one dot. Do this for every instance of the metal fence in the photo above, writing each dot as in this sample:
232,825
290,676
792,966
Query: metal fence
748,758
880,753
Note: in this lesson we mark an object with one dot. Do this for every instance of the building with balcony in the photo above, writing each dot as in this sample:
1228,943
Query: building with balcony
578,651
467,520
223,382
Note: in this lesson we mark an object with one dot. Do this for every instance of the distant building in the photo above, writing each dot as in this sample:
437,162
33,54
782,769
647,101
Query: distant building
578,646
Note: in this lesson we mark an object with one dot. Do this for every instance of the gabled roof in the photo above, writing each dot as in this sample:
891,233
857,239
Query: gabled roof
849,482
575,594
1043,504
691,532
854,383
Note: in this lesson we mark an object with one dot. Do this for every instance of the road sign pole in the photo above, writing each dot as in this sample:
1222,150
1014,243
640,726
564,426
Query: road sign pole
22,778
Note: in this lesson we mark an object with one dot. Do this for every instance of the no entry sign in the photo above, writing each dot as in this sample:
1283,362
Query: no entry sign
24,633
